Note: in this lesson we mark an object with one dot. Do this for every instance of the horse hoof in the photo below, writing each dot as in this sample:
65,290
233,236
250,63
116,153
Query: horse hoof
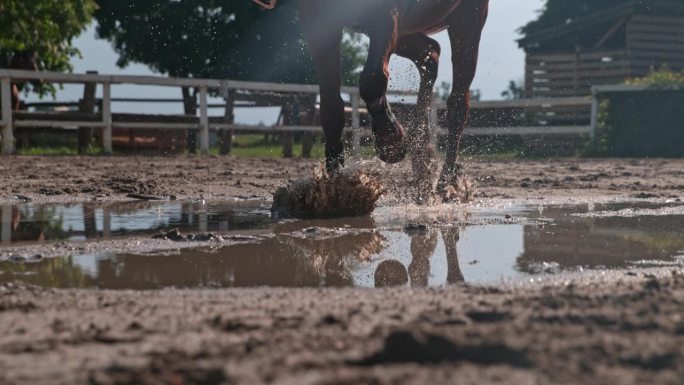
391,148
334,159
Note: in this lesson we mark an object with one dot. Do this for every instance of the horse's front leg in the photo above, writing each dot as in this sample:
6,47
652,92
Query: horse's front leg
450,236
424,52
324,43
389,134
465,30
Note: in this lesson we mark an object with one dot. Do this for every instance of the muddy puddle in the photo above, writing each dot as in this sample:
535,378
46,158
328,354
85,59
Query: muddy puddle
396,247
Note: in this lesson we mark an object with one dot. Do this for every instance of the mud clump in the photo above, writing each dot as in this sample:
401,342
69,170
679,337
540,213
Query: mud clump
461,191
176,236
132,185
347,193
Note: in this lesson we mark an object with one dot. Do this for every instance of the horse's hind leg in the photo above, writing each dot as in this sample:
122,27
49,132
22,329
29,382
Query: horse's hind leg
465,30
389,134
424,53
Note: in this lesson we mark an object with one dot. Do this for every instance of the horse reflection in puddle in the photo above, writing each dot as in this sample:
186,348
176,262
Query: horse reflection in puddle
295,256
391,273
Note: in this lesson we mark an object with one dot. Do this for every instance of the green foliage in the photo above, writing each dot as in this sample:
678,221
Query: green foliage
515,90
46,27
354,52
61,150
664,78
49,273
254,146
559,12
216,39
443,91
640,124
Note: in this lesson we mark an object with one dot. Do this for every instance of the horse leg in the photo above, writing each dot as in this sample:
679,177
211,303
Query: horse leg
422,249
388,133
450,237
15,98
465,30
424,53
325,50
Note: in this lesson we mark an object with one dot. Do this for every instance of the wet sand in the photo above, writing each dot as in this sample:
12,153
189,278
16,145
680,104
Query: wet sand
622,327
63,179
591,329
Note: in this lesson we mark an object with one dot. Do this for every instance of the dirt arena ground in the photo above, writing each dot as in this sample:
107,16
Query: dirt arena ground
619,327
62,179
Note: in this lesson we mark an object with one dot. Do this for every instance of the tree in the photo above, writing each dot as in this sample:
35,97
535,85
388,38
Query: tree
215,39
45,28
514,91
443,91
558,12
354,52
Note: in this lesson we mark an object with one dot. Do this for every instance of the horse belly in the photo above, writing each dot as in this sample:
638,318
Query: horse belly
427,16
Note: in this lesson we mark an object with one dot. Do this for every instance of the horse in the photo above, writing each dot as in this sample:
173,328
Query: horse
22,60
400,27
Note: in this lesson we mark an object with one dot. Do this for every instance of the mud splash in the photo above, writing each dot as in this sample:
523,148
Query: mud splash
351,192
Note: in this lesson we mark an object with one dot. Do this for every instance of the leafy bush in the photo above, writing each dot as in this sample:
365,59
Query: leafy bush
664,78
648,123
642,123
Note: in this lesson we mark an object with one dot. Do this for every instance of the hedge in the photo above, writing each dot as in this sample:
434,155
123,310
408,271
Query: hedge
648,123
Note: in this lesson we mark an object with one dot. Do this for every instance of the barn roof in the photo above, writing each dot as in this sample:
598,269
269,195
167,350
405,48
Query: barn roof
585,31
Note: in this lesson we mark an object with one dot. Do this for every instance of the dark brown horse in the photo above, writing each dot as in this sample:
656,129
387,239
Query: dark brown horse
394,27
23,60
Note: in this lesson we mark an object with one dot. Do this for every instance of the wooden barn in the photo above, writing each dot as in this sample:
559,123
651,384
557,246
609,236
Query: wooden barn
604,48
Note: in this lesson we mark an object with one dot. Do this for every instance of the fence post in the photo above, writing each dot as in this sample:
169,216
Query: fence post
190,108
8,129
310,120
107,118
107,222
204,122
286,136
594,115
576,69
6,225
226,136
85,134
356,124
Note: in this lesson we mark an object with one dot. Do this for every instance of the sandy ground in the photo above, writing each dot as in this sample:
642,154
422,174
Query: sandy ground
60,179
620,327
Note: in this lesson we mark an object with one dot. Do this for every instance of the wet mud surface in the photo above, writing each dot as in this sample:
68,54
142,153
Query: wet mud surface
592,288
60,179
625,329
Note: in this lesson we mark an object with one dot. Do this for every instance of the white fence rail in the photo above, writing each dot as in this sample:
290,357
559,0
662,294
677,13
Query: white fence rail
106,124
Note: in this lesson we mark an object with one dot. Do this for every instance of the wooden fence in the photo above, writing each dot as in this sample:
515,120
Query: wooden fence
568,116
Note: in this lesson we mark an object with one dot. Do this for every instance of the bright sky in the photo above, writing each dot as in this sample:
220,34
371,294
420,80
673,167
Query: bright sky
500,59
